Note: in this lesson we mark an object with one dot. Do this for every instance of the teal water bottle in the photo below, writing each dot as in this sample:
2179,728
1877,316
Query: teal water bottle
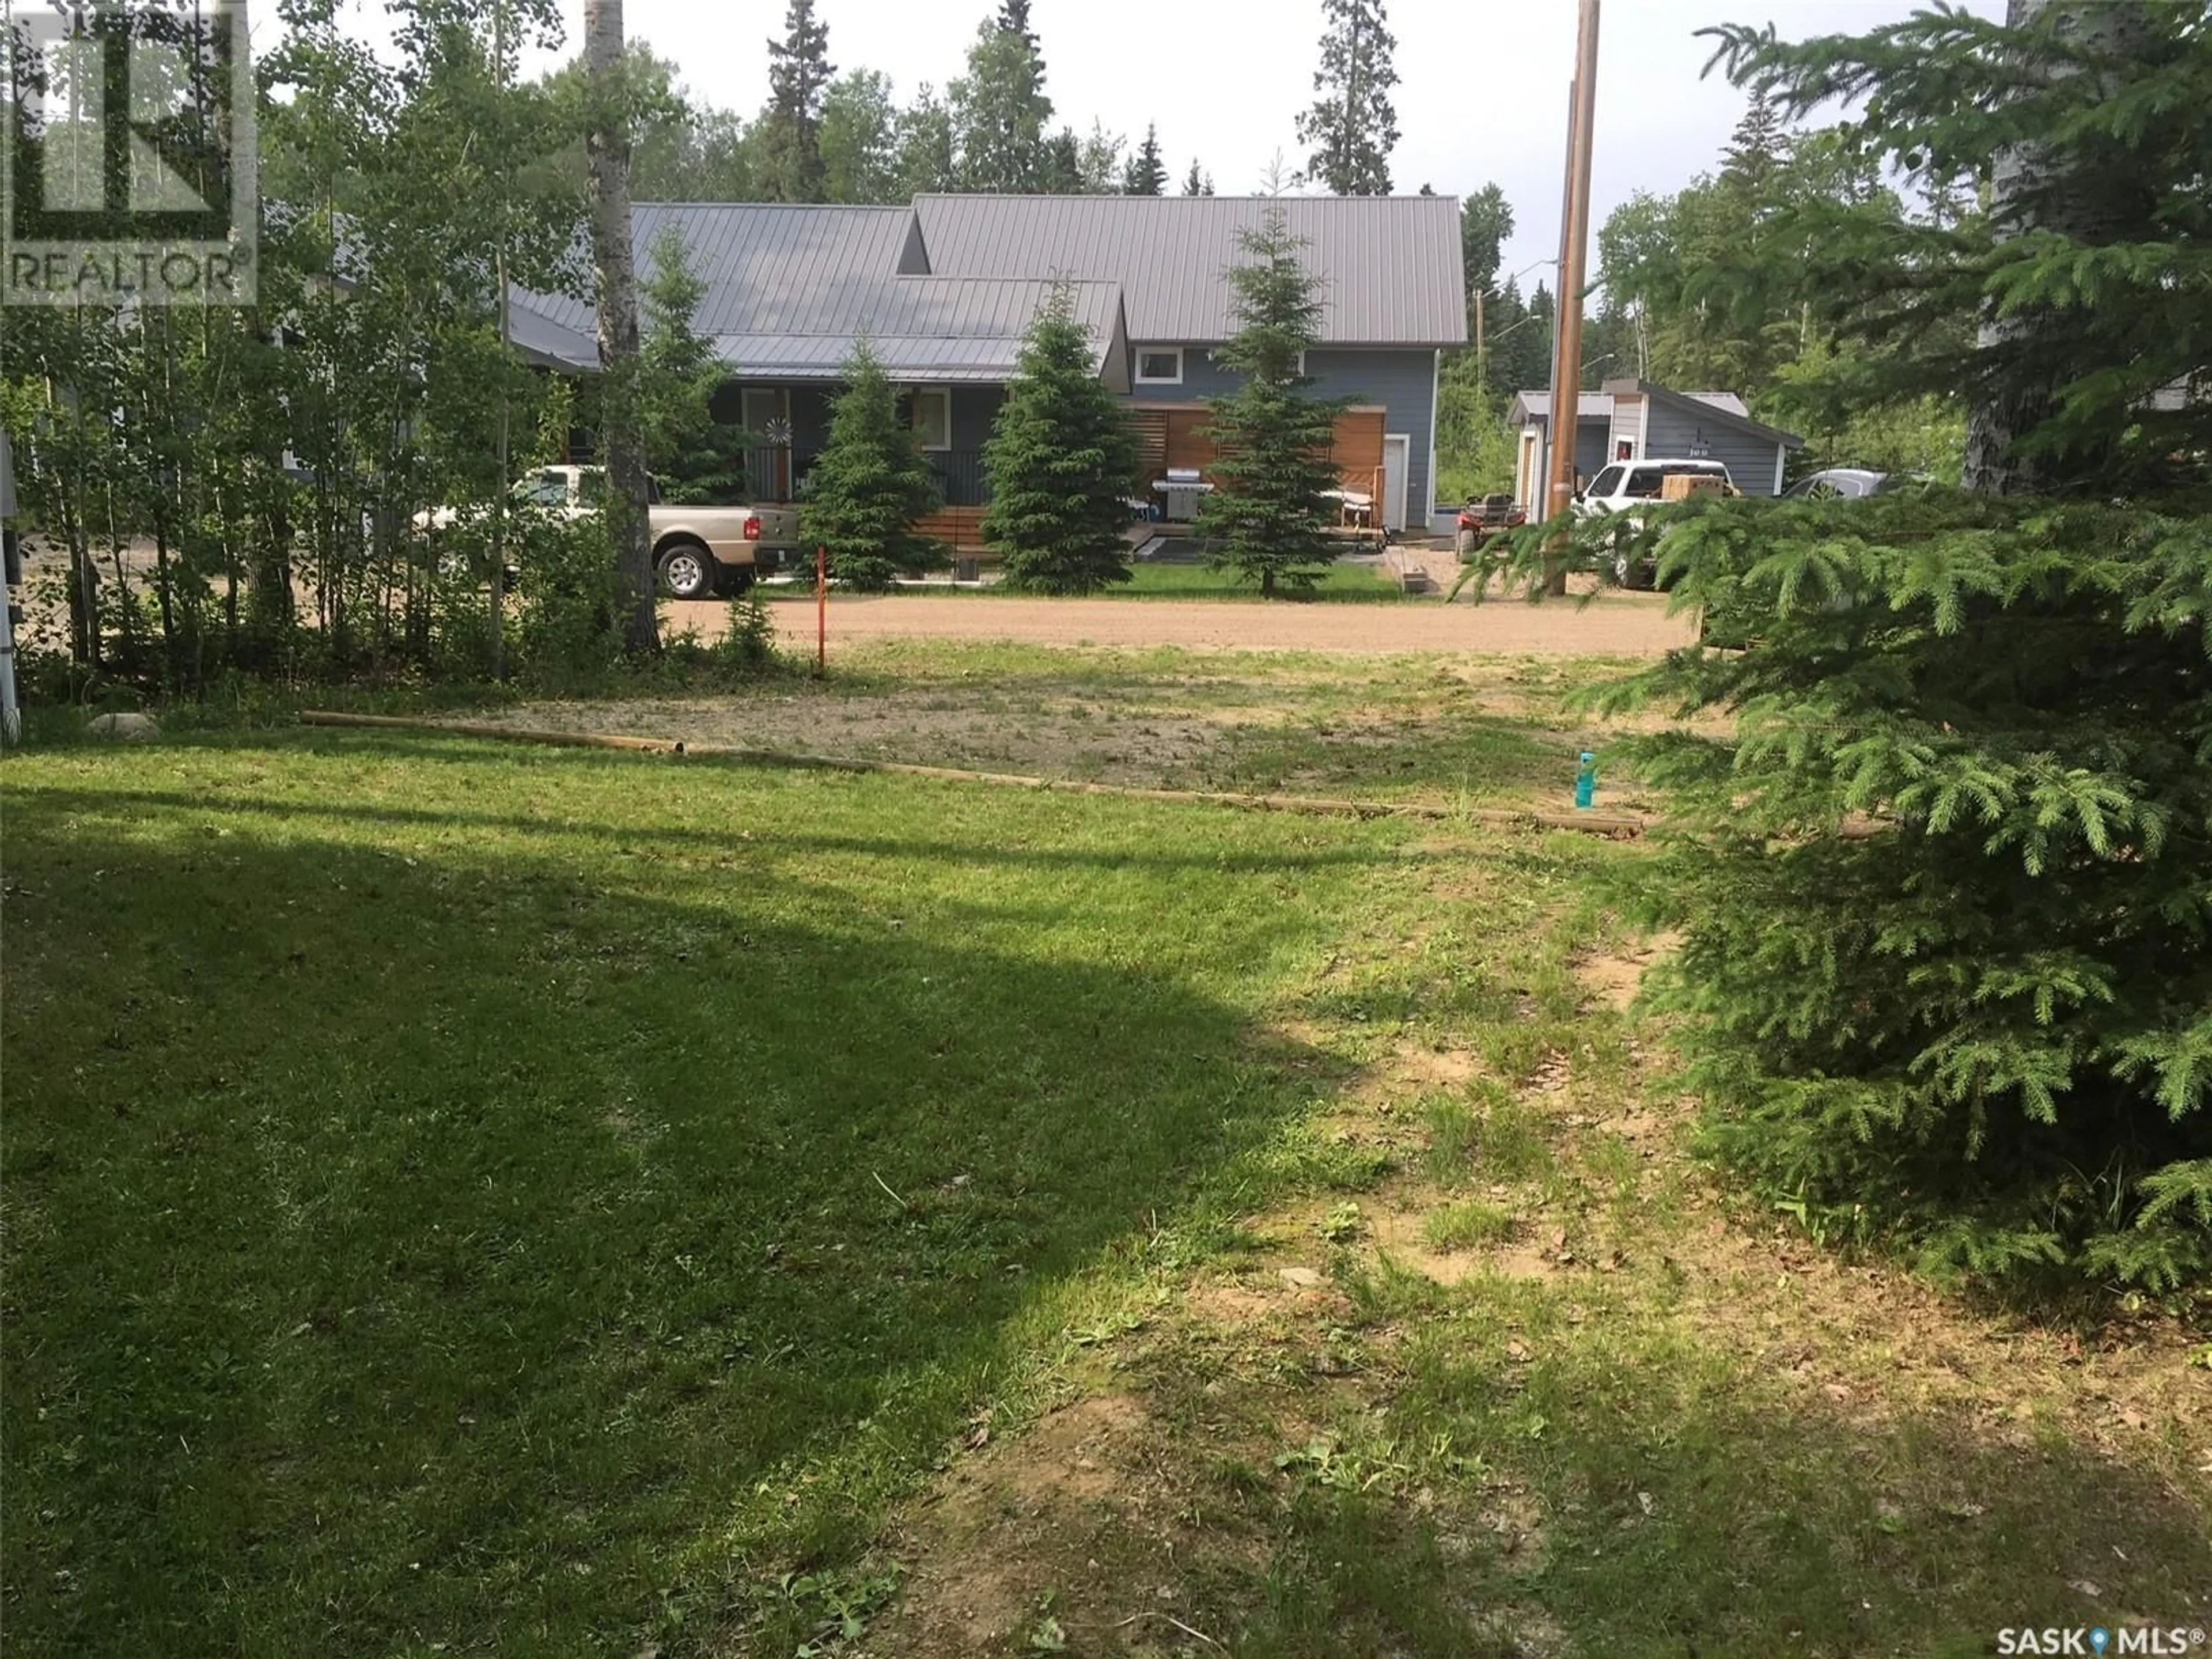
1586,782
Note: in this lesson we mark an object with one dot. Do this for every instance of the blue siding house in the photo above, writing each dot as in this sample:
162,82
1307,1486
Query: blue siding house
1632,420
943,290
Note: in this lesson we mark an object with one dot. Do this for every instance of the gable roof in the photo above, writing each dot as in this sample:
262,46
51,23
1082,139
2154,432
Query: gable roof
1598,405
1389,266
789,288
1530,408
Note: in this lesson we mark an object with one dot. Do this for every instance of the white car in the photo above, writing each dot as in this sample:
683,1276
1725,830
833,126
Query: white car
1626,486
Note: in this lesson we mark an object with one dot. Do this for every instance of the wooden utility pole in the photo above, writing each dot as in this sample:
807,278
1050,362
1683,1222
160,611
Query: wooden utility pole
607,147
1566,367
502,442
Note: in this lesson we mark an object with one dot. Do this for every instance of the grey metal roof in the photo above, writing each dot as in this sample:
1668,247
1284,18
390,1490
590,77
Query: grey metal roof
1598,405
1532,406
789,288
1390,266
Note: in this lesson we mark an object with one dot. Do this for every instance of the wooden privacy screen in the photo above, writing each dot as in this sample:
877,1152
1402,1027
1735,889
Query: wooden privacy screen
1176,438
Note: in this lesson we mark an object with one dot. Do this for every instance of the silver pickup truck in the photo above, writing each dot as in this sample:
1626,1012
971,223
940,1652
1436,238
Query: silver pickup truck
698,552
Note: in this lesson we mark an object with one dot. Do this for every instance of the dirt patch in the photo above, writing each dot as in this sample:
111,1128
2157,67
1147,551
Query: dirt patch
1079,1529
1614,978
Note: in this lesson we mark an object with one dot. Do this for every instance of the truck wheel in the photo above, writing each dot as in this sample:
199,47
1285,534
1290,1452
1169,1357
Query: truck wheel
732,581
687,571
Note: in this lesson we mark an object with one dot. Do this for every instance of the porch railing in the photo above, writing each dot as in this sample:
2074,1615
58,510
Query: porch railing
778,474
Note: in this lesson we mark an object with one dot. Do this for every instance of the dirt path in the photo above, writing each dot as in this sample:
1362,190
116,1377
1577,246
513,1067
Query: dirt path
1617,625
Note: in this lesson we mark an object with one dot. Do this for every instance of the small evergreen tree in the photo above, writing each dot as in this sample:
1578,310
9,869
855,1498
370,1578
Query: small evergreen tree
1980,1026
799,73
870,486
1197,181
1146,175
1268,516
1353,126
1061,461
696,457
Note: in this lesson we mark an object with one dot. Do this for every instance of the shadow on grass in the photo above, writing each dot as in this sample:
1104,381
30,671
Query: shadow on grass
421,1246
1612,1485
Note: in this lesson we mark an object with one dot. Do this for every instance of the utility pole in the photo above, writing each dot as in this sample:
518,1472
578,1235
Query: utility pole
506,362
1566,364
1482,348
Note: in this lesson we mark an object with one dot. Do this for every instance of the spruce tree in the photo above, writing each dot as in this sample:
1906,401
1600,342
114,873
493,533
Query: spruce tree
1061,462
1197,181
1147,175
870,486
1352,126
1268,516
799,74
1945,890
695,456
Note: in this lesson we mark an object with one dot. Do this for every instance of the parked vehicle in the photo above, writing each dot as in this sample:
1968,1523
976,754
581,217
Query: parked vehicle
1482,521
1624,487
1848,483
698,552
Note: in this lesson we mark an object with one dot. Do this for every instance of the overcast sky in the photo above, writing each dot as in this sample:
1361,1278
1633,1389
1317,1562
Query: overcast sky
1482,93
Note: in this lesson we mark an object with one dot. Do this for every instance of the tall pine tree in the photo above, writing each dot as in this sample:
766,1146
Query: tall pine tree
1061,462
799,74
1353,125
1000,111
1146,174
1268,518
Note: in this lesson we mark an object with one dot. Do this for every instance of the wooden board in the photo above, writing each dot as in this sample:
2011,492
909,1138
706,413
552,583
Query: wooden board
959,527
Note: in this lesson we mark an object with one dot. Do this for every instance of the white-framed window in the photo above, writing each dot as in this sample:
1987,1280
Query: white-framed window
932,417
1159,365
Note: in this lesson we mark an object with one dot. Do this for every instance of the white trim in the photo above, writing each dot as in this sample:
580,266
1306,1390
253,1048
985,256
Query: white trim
1436,378
1405,442
918,394
1143,378
1781,461
1643,427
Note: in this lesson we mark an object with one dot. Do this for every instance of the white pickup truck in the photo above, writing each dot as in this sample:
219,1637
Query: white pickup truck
698,552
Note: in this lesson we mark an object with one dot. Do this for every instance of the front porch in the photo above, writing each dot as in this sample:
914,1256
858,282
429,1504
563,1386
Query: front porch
789,426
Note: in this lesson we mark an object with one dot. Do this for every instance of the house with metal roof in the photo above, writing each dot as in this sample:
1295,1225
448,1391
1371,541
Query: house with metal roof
1626,420
945,290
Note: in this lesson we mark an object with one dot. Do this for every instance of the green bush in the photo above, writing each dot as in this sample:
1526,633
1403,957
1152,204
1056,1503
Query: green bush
1945,890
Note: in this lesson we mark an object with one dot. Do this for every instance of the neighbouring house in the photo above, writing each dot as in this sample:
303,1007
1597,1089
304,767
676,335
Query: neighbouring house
945,290
1627,420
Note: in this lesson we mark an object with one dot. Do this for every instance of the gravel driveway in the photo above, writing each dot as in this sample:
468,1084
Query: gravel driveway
1616,625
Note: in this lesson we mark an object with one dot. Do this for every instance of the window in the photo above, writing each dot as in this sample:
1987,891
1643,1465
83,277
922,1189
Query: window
1644,483
1606,482
545,490
932,417
1159,365
760,409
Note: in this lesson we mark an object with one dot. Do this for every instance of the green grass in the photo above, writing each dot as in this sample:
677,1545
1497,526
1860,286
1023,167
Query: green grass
456,1191
1467,1223
465,1199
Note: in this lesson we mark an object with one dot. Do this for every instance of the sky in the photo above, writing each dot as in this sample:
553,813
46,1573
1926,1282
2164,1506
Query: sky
1482,92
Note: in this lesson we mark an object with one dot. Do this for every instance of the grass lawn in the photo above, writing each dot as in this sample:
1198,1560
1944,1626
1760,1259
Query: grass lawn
472,1200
